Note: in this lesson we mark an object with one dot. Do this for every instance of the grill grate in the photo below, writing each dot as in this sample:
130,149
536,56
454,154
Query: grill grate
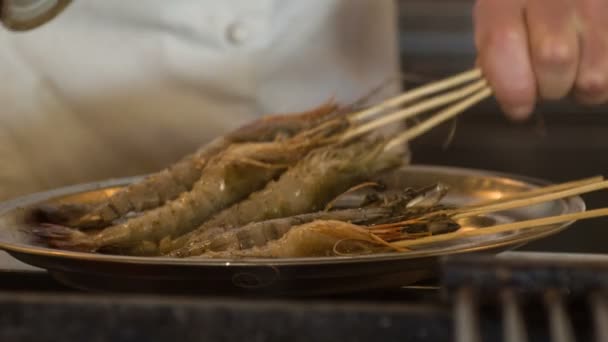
535,297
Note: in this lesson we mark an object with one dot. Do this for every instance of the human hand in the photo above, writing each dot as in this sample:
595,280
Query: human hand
543,49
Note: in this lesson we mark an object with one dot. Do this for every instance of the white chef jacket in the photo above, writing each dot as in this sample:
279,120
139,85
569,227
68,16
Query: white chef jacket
114,88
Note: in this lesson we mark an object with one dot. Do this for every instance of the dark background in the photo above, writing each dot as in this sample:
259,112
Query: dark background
563,141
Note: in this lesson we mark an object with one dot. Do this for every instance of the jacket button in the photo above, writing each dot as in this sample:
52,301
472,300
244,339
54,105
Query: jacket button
237,33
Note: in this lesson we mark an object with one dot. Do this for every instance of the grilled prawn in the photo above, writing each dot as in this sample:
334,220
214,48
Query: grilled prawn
166,185
389,206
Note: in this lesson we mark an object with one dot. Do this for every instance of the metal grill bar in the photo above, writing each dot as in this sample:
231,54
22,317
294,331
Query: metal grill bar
514,328
466,319
599,311
560,325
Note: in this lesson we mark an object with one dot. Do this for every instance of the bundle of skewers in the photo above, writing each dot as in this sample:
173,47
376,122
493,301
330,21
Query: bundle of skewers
278,187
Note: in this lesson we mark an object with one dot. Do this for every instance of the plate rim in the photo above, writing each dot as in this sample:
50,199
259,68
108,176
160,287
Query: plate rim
575,202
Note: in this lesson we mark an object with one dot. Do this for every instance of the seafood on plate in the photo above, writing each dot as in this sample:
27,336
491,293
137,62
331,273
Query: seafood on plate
271,189
385,206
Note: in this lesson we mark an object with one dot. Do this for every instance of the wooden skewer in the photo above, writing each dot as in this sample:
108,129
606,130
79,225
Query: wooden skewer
517,203
464,212
409,112
419,92
570,189
504,228
440,118
541,191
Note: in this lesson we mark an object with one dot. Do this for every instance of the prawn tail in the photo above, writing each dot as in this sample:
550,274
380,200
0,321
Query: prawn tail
64,237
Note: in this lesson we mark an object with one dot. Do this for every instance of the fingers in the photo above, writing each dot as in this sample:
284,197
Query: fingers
554,44
545,48
502,44
591,85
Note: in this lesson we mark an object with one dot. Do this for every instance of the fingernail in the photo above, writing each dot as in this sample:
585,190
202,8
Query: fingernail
520,113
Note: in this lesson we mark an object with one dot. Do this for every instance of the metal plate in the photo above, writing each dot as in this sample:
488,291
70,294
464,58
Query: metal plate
298,276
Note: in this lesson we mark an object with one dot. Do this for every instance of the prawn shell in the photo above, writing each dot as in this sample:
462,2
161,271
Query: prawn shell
315,239
259,233
227,179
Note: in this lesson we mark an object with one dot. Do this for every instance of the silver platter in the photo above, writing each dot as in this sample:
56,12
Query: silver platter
301,276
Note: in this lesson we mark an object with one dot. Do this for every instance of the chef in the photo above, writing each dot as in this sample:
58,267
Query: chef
111,88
